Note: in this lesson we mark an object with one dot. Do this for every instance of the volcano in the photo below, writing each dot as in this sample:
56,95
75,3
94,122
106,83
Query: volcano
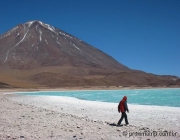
36,44
37,54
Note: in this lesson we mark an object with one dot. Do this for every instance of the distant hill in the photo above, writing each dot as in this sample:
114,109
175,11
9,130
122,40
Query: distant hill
4,85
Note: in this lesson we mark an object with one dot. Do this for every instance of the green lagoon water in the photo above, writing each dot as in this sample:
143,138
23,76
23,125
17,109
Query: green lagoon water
158,97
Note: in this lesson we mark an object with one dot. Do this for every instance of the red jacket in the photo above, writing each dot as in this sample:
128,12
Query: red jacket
122,107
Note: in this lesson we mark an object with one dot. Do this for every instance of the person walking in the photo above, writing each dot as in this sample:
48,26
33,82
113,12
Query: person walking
122,107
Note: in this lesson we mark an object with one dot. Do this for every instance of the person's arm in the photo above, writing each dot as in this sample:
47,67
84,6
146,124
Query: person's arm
119,108
126,107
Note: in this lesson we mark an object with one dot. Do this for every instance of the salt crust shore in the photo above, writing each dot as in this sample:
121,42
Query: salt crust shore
51,118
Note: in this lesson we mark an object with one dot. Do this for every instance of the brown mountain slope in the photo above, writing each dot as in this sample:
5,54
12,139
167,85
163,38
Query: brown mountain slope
139,78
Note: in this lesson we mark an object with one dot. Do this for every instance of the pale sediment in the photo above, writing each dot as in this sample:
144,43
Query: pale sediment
50,118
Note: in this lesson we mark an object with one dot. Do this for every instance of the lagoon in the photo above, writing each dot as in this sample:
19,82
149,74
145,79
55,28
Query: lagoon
155,97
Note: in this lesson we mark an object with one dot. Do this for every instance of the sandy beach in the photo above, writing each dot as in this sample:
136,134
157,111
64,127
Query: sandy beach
58,118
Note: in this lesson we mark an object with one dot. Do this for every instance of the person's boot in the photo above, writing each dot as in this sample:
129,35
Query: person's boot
126,124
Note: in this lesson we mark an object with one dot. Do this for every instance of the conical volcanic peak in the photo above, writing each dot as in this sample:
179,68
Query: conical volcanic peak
36,44
37,54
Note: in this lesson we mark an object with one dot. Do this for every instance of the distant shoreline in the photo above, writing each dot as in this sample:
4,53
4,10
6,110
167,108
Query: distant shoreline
83,88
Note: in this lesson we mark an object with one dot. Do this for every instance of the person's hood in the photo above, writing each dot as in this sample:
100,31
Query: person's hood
125,98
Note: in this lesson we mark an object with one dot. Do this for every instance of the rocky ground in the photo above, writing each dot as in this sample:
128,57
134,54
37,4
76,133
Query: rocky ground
27,121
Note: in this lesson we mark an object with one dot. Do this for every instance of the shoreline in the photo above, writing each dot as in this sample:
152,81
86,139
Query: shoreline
85,88
81,90
81,106
70,118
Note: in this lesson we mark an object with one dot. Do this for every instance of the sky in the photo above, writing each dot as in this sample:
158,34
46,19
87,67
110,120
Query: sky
140,34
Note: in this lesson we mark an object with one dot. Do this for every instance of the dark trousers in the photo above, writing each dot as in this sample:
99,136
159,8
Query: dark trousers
123,115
